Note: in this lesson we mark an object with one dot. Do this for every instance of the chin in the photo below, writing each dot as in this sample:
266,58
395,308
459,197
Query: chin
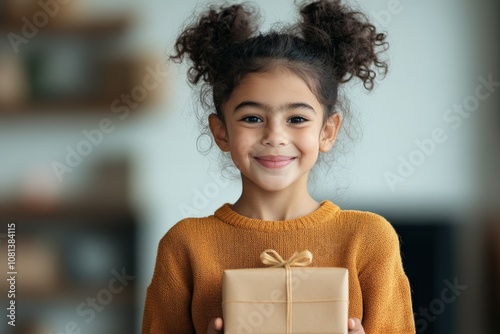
273,187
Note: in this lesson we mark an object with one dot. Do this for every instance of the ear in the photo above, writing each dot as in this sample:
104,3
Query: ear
218,129
329,132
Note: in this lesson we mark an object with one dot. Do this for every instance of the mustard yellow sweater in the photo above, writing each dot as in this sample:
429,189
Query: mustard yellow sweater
186,289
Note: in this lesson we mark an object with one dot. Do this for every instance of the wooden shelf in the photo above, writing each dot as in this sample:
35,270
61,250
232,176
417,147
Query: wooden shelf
88,110
39,107
61,107
92,28
19,211
69,293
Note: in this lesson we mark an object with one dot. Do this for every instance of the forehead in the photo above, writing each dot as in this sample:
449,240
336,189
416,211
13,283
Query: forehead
275,86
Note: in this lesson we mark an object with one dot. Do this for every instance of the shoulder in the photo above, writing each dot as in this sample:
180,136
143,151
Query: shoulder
373,238
364,219
369,227
187,231
191,226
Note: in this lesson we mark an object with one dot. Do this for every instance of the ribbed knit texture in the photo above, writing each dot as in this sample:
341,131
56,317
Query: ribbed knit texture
186,289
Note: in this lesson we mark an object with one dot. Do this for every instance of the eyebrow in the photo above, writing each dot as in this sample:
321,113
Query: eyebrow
286,106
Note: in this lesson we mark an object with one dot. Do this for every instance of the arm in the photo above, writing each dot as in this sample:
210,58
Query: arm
386,290
168,299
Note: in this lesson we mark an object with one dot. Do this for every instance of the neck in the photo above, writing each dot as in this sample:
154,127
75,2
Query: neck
286,204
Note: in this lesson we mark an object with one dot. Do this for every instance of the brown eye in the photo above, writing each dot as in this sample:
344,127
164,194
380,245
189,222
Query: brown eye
252,119
297,119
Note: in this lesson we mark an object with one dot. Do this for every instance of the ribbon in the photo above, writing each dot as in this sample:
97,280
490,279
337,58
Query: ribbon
271,258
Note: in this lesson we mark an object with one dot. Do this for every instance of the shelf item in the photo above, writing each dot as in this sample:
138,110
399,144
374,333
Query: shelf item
60,83
37,265
3,10
57,17
13,81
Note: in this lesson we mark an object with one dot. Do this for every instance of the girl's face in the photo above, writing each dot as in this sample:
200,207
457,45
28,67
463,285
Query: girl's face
274,129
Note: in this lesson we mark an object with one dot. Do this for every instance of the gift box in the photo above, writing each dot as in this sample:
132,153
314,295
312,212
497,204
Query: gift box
286,298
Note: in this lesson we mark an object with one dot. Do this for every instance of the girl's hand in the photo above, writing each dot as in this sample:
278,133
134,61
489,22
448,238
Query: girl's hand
215,326
354,326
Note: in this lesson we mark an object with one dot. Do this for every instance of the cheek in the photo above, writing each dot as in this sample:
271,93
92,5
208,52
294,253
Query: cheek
240,147
310,142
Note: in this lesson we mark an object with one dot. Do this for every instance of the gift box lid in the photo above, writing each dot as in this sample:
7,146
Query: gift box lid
269,284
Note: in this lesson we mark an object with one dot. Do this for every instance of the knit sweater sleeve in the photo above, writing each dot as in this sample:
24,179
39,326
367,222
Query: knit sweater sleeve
168,298
385,287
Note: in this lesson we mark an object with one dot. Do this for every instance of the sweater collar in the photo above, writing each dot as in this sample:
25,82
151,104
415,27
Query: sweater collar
324,213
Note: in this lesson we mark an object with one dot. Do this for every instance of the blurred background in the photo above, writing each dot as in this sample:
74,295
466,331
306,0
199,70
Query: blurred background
98,156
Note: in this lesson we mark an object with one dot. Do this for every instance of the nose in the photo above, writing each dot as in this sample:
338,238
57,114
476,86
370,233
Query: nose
274,135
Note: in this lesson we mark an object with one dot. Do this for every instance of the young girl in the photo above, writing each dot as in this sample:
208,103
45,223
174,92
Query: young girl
275,110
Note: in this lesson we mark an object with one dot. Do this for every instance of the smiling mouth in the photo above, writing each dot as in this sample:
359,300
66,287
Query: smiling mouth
274,162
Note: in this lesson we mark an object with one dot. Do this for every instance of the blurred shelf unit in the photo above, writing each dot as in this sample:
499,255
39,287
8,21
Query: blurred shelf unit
72,260
74,64
72,251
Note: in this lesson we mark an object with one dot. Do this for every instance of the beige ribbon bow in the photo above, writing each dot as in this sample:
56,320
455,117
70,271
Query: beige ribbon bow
271,258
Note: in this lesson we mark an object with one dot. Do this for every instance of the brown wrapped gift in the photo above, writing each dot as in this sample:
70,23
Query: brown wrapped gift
285,300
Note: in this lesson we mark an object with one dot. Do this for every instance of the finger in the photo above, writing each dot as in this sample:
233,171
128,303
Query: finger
215,326
218,324
353,323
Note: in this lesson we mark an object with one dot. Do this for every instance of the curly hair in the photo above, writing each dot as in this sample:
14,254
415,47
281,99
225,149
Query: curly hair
330,45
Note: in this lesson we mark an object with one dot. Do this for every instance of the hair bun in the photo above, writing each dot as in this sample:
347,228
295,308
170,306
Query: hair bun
213,33
352,42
